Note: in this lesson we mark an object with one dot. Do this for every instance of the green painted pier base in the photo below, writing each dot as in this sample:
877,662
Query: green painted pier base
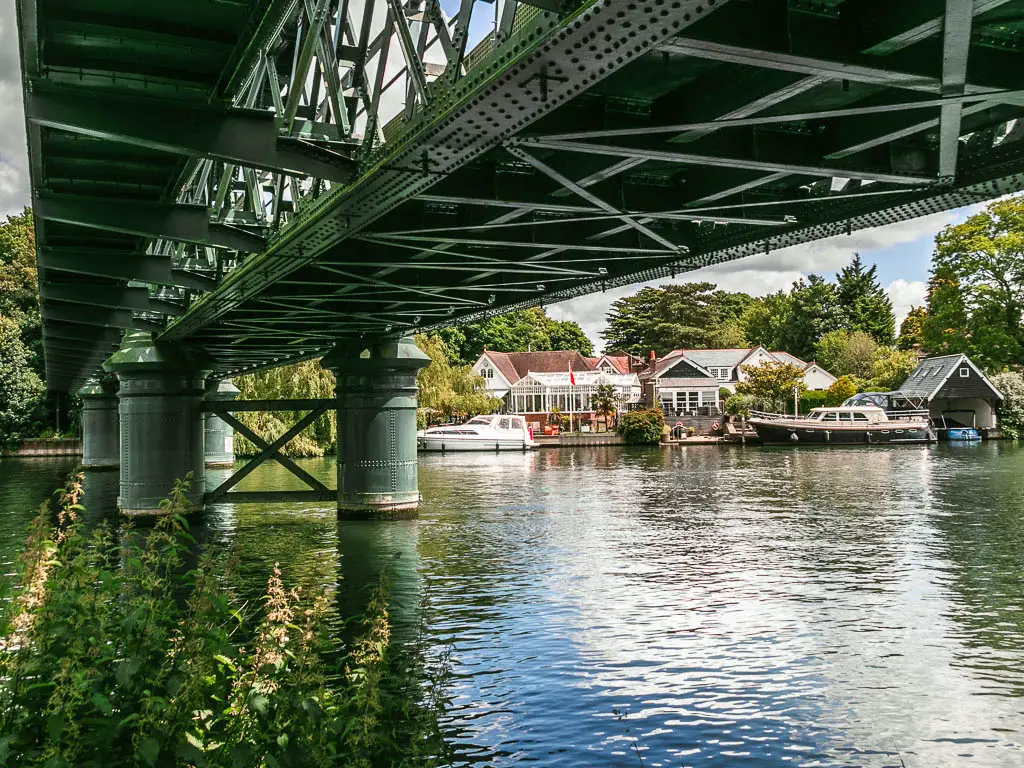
160,398
220,436
100,425
377,468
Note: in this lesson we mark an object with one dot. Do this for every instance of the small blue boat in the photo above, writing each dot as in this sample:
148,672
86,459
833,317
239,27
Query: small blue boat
963,434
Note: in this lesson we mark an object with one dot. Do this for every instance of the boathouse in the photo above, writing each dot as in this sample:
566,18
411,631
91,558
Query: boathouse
954,390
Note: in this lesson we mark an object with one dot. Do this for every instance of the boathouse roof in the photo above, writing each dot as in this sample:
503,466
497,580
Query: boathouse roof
949,376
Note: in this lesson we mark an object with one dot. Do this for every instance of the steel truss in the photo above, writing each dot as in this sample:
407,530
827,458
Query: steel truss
357,170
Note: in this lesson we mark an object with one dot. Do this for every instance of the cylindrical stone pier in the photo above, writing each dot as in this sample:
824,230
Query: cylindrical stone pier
377,469
100,424
220,436
160,396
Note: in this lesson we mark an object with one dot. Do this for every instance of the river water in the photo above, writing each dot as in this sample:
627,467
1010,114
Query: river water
698,606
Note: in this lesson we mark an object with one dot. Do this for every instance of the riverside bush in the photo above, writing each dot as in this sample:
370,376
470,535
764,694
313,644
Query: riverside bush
112,653
643,427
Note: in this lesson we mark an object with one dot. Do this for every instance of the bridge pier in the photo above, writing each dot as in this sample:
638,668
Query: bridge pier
219,437
160,406
377,469
101,437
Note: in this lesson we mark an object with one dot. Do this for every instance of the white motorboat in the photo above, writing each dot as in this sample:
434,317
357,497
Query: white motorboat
481,433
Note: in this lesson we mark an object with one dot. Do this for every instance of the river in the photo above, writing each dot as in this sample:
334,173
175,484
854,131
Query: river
697,606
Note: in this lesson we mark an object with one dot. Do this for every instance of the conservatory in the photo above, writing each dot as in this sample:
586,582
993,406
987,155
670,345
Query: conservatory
541,393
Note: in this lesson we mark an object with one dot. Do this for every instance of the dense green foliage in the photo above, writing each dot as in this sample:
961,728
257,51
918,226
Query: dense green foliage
976,292
643,427
526,330
1011,411
113,654
449,389
774,386
912,329
24,409
20,385
691,315
842,388
813,398
891,369
698,316
847,354
740,404
301,380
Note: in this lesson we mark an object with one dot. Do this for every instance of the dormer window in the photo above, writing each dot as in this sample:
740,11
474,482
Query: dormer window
487,373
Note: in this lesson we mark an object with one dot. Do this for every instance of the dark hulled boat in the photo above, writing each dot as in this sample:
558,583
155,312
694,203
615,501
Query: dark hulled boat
856,425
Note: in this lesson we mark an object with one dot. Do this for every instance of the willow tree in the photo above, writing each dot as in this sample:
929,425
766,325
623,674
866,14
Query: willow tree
450,389
299,381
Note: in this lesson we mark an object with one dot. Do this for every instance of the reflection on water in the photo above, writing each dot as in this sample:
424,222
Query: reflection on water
698,606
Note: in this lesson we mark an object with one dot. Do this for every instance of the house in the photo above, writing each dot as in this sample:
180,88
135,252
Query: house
680,386
533,384
618,364
815,377
954,390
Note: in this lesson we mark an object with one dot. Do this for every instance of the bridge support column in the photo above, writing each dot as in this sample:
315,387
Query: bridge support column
220,436
161,394
377,470
100,425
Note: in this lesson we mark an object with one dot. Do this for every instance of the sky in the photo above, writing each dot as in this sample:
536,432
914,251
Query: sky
901,251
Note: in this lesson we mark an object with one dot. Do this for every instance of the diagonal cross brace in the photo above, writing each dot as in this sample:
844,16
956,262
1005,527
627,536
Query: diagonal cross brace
268,451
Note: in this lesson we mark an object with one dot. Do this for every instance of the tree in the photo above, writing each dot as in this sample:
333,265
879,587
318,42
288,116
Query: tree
842,353
912,328
765,318
892,367
690,315
605,403
19,290
526,330
815,310
1011,410
977,292
842,388
451,389
867,307
20,385
773,384
643,427
300,381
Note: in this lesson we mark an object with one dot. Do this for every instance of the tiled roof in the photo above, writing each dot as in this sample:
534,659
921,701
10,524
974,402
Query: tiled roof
621,362
785,357
515,365
718,358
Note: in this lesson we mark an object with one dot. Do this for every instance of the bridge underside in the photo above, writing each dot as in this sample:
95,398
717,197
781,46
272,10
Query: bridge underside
208,175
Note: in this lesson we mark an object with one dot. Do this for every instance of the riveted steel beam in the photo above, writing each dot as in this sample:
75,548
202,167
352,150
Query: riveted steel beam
242,136
956,45
73,332
94,316
140,267
114,297
187,223
726,162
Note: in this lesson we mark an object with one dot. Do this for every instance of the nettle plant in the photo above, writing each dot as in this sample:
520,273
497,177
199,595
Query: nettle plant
113,652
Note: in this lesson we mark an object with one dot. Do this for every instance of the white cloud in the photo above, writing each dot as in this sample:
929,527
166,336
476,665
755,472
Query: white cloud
905,294
14,184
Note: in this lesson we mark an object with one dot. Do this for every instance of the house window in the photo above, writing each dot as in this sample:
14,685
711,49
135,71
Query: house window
722,374
487,373
965,372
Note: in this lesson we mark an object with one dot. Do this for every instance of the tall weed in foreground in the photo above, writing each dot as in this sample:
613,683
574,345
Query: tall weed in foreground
112,653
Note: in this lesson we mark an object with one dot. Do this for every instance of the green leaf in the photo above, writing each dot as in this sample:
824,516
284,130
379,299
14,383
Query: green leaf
224,660
282,741
150,750
257,702
55,725
194,740
102,703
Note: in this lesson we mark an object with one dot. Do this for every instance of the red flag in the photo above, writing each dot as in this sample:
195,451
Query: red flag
572,379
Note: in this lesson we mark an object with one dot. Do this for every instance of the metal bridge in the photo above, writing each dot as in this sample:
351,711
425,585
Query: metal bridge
262,179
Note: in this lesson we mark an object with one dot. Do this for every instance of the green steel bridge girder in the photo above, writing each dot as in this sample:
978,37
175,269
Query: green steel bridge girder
173,221
138,267
113,297
241,136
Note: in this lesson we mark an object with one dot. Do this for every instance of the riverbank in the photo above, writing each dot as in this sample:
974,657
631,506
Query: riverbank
50,447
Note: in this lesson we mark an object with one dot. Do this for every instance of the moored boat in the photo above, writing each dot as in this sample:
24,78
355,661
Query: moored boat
481,433
846,425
